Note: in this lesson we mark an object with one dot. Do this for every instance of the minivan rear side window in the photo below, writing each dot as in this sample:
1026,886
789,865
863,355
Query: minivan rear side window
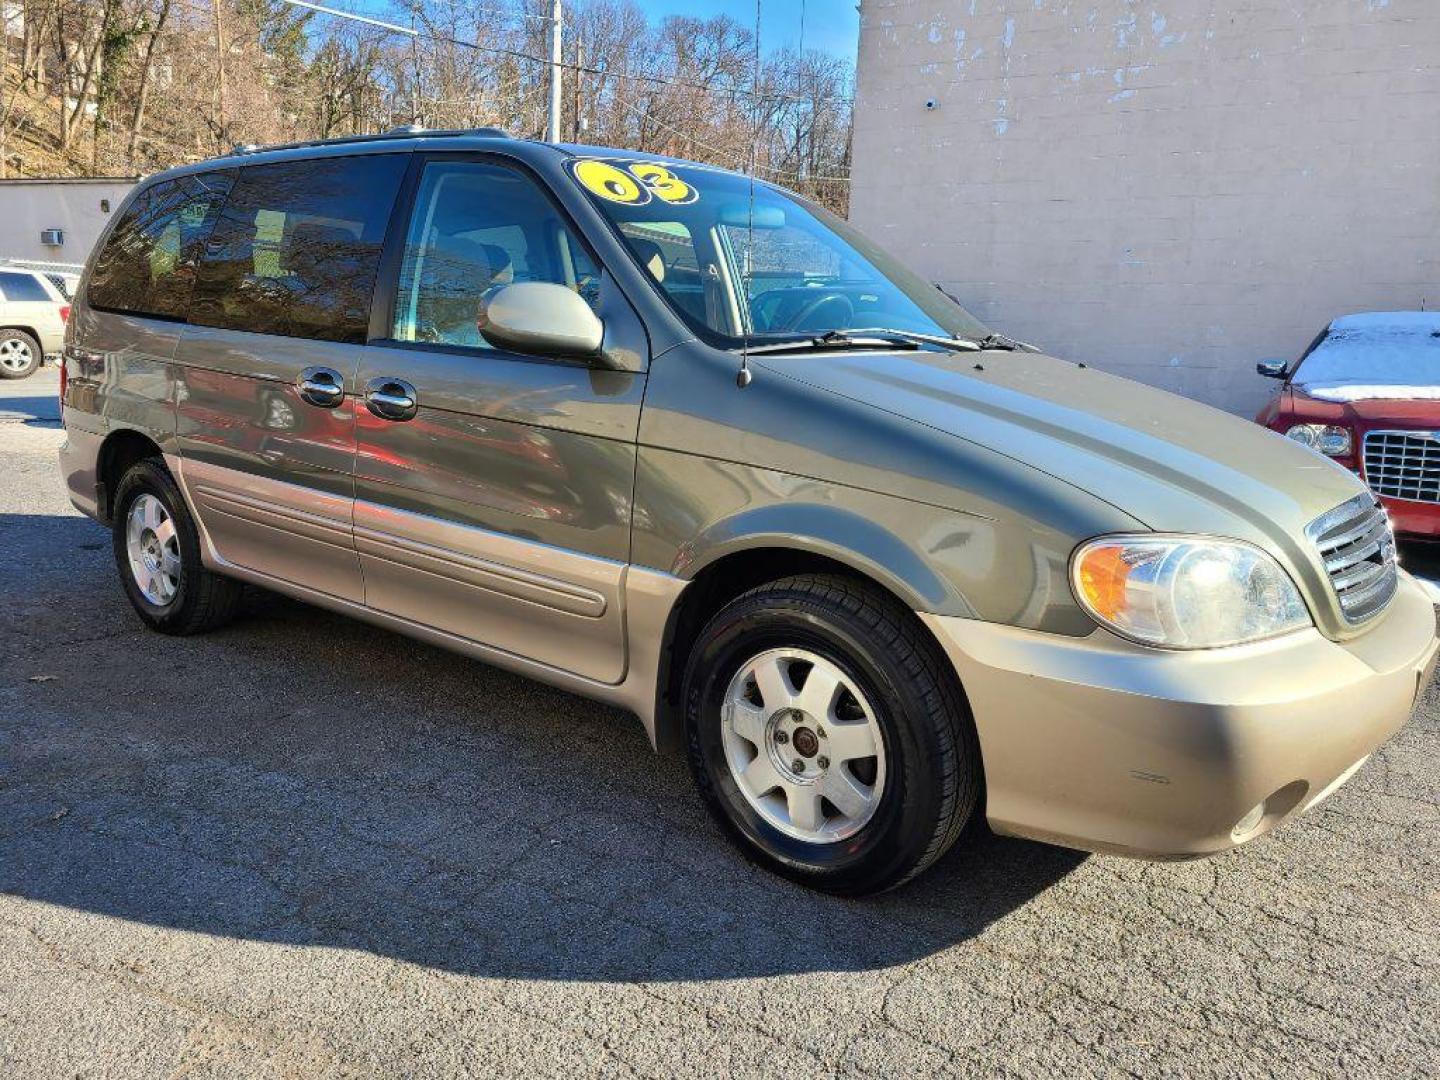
147,266
297,246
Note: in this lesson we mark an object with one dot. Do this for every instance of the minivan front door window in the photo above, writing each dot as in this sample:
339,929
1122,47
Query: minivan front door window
475,227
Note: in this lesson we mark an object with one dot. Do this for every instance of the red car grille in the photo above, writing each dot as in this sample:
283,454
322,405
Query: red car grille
1403,465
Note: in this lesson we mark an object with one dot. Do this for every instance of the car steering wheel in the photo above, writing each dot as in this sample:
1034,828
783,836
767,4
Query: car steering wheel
819,304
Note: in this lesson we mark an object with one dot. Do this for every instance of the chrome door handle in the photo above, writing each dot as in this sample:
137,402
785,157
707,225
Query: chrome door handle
390,399
322,386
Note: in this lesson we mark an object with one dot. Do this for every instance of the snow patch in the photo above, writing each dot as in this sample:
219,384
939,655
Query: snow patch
1375,355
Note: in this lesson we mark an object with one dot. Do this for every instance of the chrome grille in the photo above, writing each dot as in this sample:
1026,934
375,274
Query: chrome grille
1358,549
1403,464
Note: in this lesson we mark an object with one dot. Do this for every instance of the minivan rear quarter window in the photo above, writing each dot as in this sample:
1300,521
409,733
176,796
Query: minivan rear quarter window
297,246
147,266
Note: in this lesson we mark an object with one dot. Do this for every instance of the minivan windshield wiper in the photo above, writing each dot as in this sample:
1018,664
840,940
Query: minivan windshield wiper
1004,342
868,339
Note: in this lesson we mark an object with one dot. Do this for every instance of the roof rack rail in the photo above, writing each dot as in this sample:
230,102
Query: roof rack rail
406,131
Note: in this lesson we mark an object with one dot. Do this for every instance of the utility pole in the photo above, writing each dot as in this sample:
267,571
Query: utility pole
579,90
552,133
221,122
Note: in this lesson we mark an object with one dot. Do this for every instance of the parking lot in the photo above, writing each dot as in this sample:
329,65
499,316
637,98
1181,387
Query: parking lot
305,847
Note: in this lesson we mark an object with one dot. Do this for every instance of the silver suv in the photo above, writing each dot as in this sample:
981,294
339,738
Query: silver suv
688,444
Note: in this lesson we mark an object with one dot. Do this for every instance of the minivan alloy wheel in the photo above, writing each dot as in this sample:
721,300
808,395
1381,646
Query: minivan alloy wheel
803,745
153,549
156,543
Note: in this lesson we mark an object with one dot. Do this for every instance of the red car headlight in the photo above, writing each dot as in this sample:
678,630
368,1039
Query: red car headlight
1328,439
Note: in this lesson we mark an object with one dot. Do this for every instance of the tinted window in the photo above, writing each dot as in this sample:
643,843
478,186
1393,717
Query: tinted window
148,263
296,248
23,287
476,226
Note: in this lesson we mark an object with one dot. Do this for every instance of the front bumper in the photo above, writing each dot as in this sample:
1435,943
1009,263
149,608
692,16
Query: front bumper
1420,520
1101,744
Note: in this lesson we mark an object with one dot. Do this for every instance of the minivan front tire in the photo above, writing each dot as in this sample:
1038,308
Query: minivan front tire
883,744
157,550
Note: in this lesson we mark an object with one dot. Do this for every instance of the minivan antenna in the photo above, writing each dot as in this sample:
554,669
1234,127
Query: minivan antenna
744,377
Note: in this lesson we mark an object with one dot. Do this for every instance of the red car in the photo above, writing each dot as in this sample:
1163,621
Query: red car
1367,394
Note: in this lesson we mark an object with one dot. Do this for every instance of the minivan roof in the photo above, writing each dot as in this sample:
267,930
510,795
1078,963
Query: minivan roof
411,138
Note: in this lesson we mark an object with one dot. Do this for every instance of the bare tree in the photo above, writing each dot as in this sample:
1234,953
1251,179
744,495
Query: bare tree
189,78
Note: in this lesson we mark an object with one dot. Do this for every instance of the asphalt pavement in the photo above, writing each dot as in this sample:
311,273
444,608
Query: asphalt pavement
302,847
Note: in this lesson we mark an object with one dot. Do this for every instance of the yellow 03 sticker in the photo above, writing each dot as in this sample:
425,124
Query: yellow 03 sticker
605,180
665,184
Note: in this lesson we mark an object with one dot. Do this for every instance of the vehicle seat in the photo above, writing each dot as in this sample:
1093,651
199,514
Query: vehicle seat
313,259
651,257
502,268
454,274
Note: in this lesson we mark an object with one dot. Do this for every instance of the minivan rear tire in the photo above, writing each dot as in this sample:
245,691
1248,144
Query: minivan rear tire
20,354
190,601
887,668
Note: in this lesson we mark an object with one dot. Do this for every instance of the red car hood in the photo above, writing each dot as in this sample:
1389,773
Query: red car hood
1400,412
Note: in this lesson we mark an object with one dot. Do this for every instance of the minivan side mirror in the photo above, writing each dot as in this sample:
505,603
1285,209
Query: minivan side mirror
542,319
1272,369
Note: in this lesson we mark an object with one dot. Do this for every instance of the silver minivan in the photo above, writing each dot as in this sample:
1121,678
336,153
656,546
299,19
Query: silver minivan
688,444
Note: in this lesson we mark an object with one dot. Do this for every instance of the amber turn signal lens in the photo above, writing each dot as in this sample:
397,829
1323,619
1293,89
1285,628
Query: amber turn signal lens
1102,574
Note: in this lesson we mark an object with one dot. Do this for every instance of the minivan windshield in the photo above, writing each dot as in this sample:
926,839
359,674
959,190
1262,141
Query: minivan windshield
773,269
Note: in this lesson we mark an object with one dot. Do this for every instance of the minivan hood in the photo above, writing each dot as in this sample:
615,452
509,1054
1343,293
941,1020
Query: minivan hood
1167,461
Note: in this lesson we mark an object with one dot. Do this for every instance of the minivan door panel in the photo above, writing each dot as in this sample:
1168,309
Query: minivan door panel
267,471
493,490
501,511
266,416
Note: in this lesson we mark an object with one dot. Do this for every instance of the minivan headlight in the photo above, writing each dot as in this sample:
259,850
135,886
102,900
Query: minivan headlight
1184,592
1330,440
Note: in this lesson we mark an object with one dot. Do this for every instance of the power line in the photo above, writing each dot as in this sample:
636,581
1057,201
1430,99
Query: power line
735,156
586,69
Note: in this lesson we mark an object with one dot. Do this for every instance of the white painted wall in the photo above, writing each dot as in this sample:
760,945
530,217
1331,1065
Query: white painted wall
1170,189
28,206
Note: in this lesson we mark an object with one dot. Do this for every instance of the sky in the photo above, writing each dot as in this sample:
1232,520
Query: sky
832,26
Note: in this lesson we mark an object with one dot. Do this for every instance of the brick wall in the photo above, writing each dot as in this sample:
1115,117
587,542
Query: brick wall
1169,190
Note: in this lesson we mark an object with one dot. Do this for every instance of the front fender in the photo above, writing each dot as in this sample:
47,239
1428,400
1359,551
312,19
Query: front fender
836,532
691,512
